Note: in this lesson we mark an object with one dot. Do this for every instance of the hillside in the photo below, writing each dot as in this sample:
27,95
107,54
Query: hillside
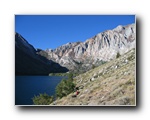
112,83
29,62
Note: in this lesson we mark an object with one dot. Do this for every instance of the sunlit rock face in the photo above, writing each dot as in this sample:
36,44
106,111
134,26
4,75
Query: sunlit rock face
102,47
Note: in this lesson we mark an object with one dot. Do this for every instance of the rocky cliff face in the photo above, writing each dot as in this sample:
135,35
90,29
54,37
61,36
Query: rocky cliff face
29,62
96,50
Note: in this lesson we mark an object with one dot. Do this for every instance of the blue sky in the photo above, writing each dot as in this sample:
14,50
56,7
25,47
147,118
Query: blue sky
52,31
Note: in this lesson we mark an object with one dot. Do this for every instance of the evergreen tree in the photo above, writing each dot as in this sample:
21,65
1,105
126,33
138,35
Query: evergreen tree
64,88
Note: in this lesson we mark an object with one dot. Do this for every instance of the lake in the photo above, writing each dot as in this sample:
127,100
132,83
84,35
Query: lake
28,86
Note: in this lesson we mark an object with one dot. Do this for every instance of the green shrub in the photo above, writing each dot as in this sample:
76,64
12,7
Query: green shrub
64,88
93,66
118,55
42,99
130,57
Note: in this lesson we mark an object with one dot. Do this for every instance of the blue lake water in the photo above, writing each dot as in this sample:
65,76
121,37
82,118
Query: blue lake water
28,86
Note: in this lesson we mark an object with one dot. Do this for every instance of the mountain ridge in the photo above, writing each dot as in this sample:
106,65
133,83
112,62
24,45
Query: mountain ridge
29,62
101,48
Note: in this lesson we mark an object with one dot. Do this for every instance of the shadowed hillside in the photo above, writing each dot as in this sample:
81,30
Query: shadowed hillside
29,62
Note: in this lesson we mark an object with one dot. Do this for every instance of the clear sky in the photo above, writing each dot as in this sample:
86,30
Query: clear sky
51,31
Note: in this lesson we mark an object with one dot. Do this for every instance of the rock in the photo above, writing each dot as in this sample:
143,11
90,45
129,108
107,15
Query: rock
80,81
126,61
112,67
81,96
94,75
92,79
86,91
116,67
125,73
84,83
102,97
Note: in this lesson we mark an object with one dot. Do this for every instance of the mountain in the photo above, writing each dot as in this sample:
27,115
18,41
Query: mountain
103,47
112,83
29,62
78,56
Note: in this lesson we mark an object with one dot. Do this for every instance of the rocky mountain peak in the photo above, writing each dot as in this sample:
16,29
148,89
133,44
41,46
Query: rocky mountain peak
102,47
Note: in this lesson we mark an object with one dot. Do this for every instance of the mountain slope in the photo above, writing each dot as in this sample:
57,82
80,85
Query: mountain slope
112,83
29,62
80,56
